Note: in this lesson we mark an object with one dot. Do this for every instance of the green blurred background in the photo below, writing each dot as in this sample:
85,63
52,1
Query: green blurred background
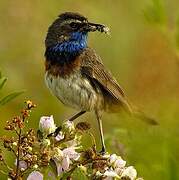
142,54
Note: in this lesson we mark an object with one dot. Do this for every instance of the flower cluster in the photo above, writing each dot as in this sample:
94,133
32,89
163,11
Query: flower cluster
59,144
21,144
115,167
58,152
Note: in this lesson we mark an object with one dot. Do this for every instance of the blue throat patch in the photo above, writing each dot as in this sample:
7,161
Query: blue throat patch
67,51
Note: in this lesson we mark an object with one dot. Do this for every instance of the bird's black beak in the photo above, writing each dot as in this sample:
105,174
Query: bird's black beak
91,27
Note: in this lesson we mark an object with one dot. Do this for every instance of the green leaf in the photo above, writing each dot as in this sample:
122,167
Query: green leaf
9,97
2,82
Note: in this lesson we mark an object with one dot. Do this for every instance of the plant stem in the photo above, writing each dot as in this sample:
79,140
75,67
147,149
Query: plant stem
18,154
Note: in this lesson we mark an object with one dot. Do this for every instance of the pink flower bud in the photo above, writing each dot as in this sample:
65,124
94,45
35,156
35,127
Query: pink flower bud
35,175
22,165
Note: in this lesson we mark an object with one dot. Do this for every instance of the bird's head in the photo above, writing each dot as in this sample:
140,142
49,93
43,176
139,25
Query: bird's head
69,32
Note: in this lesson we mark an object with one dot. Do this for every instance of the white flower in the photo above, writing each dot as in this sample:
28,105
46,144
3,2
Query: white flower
119,163
35,175
107,156
60,136
68,126
65,163
62,165
47,125
129,172
62,161
119,170
111,173
64,158
71,153
112,158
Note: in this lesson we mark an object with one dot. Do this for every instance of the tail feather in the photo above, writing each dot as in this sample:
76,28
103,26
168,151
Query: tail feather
142,116
115,106
135,112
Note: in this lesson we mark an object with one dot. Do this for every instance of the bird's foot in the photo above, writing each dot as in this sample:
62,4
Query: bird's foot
103,151
54,134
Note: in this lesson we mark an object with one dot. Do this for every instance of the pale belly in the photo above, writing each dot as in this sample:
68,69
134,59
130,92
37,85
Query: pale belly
75,91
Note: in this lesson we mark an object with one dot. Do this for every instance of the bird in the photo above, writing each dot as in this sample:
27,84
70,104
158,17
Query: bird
76,75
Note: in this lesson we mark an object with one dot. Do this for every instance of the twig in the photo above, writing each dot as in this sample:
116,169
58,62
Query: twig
18,154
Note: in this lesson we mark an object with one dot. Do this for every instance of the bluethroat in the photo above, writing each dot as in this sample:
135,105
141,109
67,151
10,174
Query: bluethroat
76,75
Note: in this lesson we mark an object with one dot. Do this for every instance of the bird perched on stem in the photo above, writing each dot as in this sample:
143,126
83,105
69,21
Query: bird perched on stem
76,75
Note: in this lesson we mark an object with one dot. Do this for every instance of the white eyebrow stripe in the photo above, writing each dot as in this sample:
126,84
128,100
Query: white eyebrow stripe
70,21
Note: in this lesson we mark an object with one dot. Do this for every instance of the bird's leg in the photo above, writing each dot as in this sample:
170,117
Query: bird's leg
76,115
98,116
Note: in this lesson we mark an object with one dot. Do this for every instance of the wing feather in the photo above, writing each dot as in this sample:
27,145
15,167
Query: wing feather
93,67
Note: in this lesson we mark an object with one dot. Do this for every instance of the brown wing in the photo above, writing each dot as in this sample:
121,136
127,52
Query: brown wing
93,67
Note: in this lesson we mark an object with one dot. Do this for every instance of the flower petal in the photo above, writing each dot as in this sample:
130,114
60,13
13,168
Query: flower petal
71,153
65,163
35,175
47,125
110,173
119,163
129,172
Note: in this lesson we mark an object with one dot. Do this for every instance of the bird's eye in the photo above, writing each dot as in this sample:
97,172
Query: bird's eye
73,24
